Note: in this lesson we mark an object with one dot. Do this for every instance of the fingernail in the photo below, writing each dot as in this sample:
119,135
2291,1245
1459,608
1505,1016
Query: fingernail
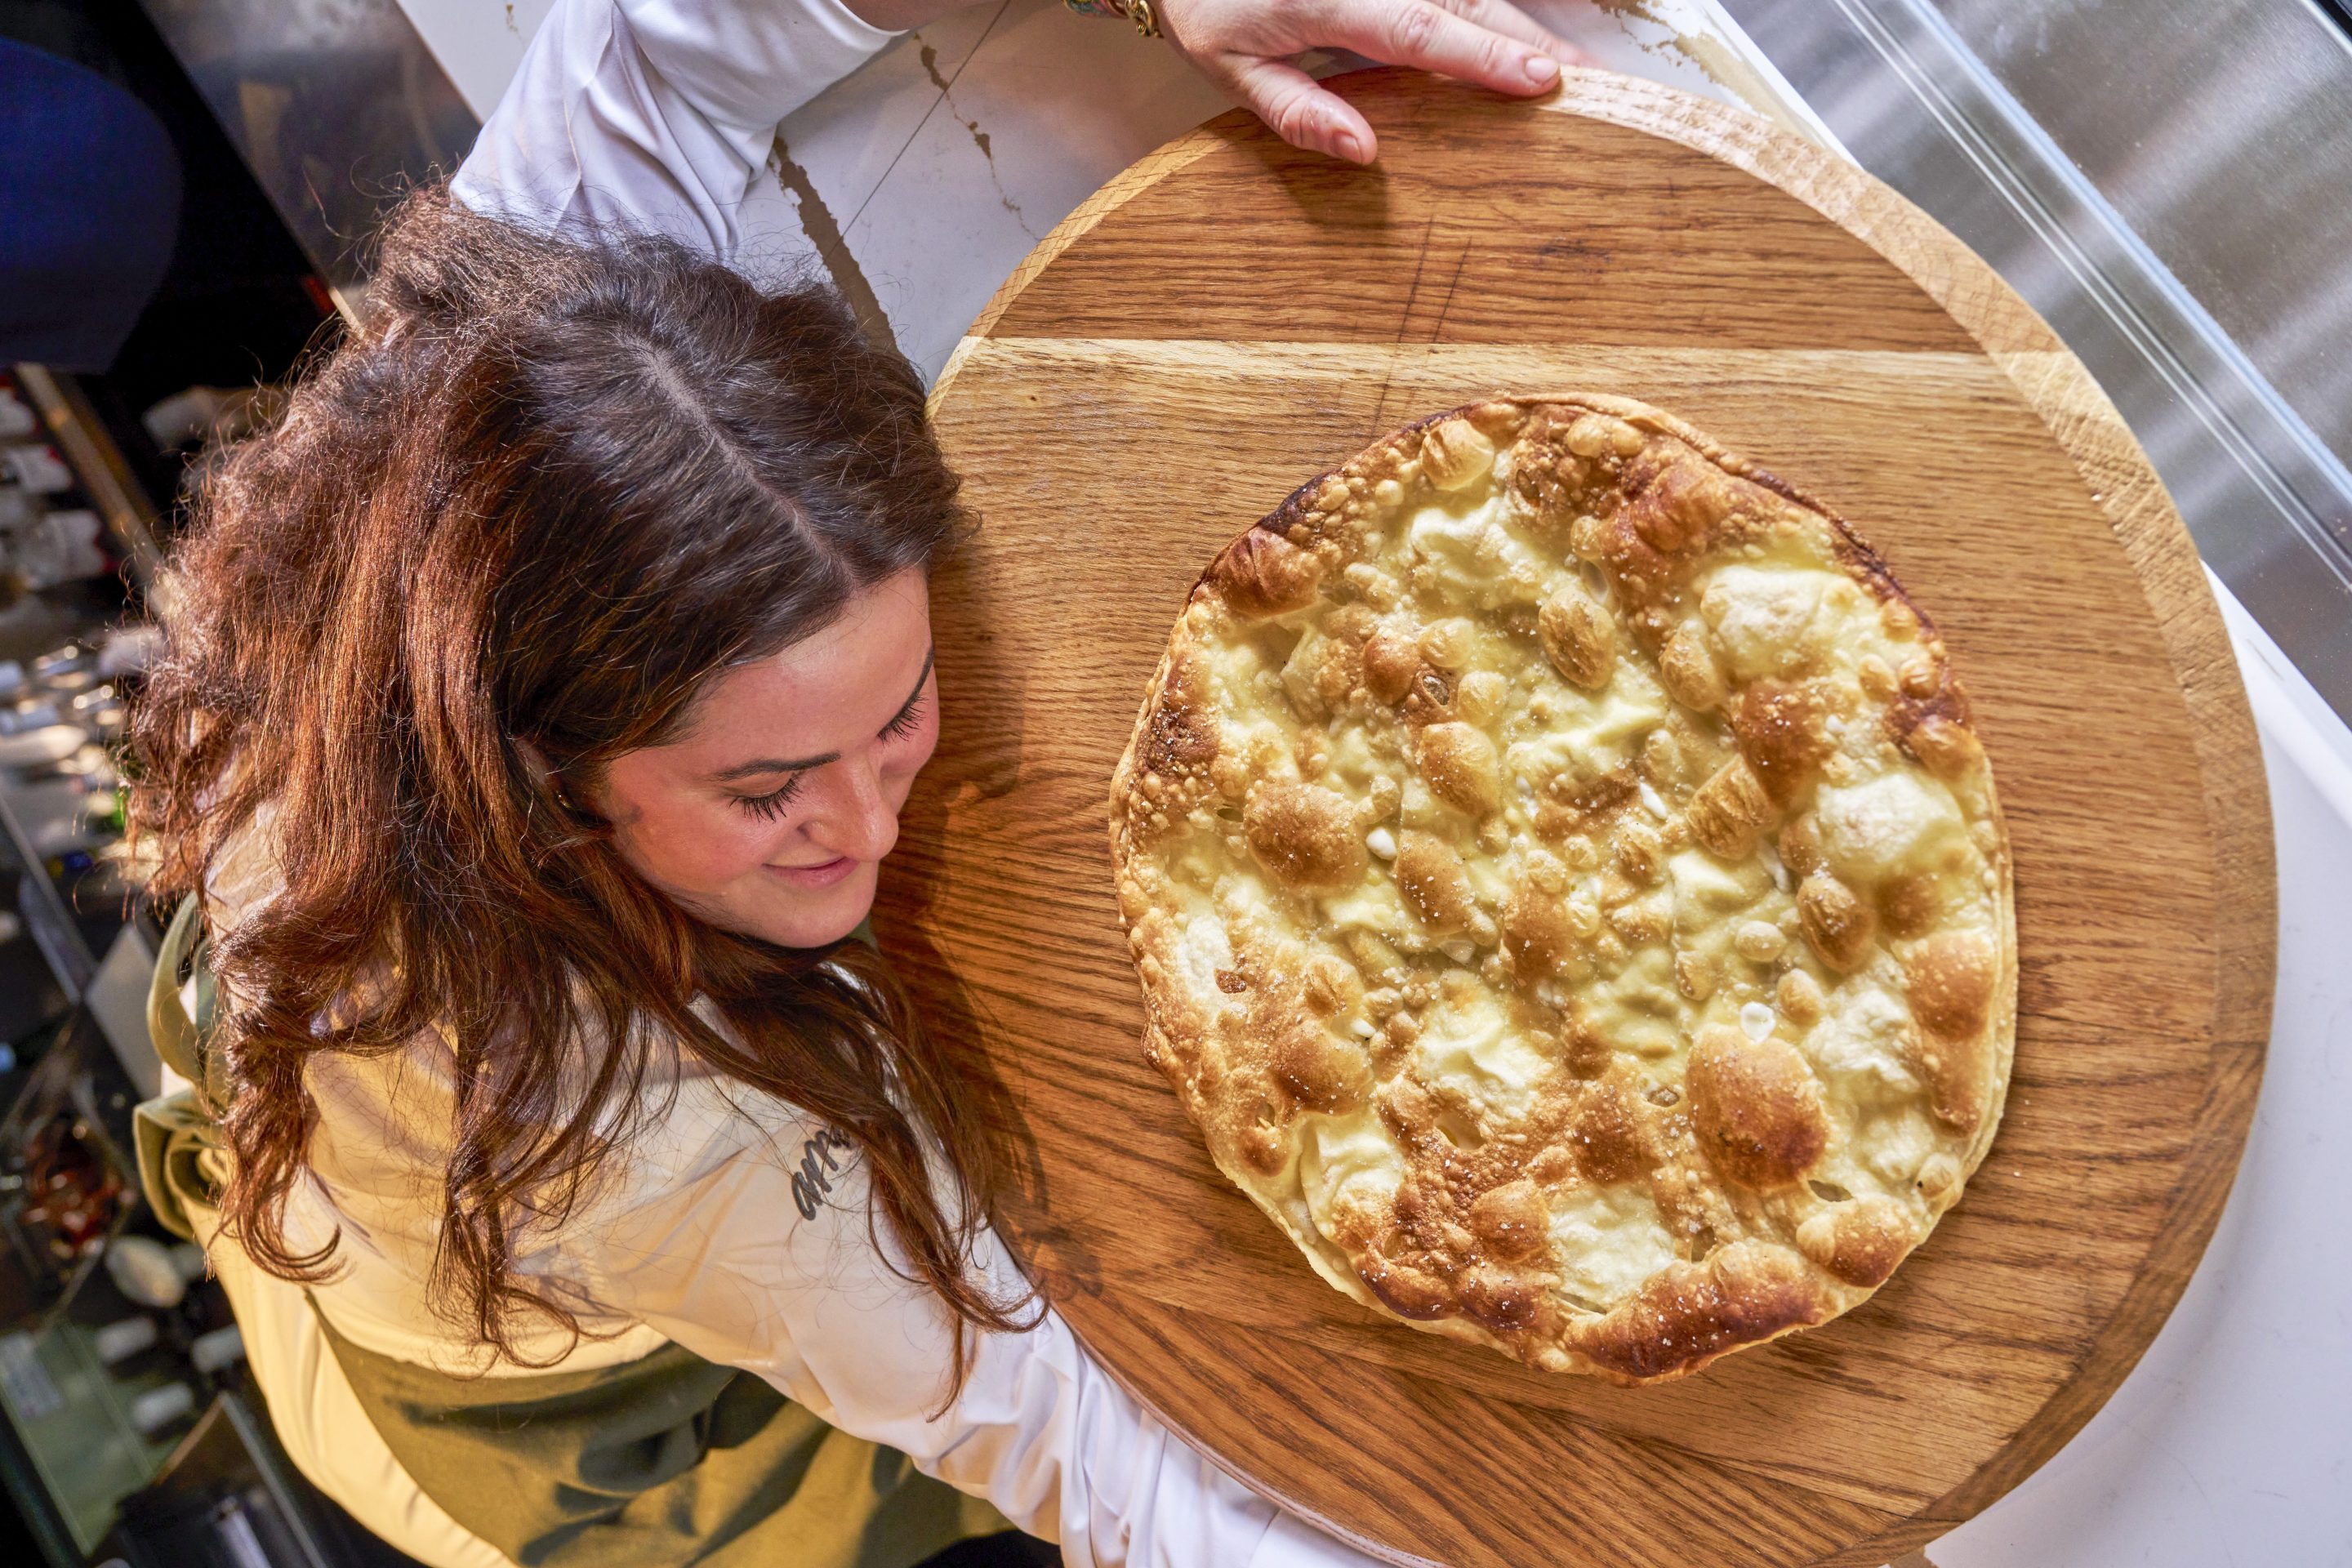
1541,68
1350,146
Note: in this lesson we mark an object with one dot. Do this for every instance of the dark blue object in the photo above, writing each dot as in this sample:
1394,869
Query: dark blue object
89,204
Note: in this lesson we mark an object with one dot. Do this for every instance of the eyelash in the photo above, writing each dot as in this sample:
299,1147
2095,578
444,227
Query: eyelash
773,804
904,723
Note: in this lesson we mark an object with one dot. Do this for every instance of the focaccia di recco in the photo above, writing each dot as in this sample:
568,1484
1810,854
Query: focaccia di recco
1568,892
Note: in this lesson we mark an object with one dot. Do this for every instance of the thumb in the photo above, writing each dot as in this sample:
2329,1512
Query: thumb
1301,112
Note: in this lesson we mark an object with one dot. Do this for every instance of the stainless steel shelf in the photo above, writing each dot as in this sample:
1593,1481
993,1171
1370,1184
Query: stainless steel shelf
2268,503
97,464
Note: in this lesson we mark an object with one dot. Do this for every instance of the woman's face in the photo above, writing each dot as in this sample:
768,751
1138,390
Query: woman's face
770,813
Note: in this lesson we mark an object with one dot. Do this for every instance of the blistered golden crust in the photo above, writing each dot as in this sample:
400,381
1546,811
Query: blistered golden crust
1568,891
1756,1108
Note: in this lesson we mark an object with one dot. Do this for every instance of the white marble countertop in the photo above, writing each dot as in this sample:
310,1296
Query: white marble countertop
920,182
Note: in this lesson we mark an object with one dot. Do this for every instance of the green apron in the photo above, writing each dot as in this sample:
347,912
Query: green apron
667,1459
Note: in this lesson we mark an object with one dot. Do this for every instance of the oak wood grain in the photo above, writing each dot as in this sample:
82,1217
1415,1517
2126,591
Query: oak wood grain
1230,318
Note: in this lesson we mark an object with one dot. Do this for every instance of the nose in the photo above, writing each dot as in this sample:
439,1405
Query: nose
858,819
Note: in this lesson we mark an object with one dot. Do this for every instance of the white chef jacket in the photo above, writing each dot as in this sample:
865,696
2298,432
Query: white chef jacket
660,113
655,113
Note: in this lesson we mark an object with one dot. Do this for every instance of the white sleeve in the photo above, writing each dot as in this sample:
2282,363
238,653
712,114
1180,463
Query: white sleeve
657,114
742,1265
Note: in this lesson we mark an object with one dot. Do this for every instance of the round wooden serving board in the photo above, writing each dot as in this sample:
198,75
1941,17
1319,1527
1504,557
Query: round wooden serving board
1231,318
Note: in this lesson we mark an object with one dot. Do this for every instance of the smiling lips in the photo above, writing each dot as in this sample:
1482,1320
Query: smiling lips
824,874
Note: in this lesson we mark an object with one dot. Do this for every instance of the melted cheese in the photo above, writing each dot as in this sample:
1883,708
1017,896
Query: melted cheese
1465,552
1763,617
1470,1049
1587,736
1348,1162
1611,1239
1205,951
1892,823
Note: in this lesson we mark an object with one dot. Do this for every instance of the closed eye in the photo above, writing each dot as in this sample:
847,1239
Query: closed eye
773,804
909,719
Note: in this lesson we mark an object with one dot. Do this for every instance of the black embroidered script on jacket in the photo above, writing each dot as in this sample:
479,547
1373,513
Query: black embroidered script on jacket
813,1183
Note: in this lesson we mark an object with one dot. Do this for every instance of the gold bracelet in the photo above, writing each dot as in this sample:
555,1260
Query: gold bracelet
1140,12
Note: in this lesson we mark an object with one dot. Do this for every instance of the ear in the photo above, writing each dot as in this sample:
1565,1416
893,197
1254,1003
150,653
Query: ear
541,773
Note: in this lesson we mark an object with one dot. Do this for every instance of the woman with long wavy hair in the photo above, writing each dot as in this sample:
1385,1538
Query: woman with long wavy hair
542,689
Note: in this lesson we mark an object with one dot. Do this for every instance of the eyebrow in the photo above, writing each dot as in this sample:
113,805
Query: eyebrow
777,765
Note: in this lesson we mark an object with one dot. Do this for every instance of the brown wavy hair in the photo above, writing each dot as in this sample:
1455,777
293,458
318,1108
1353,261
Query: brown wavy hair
540,497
